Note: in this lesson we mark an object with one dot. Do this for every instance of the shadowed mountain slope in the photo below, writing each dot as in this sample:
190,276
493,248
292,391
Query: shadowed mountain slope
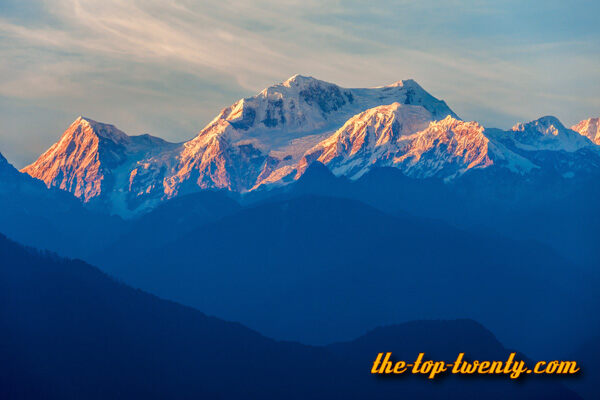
71,332
318,269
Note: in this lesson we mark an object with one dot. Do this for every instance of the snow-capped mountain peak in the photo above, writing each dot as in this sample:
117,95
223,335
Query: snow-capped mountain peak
408,138
445,149
547,133
90,155
405,137
302,81
269,132
368,138
286,111
589,128
88,126
399,83
547,125
272,138
410,92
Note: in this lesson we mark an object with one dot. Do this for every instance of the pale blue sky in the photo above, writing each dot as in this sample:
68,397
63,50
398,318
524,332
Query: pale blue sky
168,67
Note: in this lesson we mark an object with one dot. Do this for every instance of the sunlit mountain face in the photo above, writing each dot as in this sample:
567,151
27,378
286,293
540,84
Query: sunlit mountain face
270,139
590,128
255,141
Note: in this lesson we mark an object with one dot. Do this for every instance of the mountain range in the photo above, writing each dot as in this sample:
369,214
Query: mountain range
270,139
374,237
309,212
75,333
319,269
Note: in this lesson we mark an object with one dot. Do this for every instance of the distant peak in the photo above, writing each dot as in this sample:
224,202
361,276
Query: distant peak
82,120
549,120
402,83
548,133
302,81
317,172
546,124
298,78
90,126
295,77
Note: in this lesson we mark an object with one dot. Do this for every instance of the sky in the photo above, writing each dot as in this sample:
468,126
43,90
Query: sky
167,67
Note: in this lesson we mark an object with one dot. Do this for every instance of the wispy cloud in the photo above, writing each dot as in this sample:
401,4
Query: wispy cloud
151,65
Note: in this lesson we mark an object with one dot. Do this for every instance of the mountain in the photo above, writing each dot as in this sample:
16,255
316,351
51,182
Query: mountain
369,138
50,218
547,133
318,269
93,159
551,147
305,104
71,332
589,128
236,151
450,147
270,139
383,137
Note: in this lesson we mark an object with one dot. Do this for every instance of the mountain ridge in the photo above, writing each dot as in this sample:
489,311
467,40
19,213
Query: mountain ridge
72,332
344,261
270,139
